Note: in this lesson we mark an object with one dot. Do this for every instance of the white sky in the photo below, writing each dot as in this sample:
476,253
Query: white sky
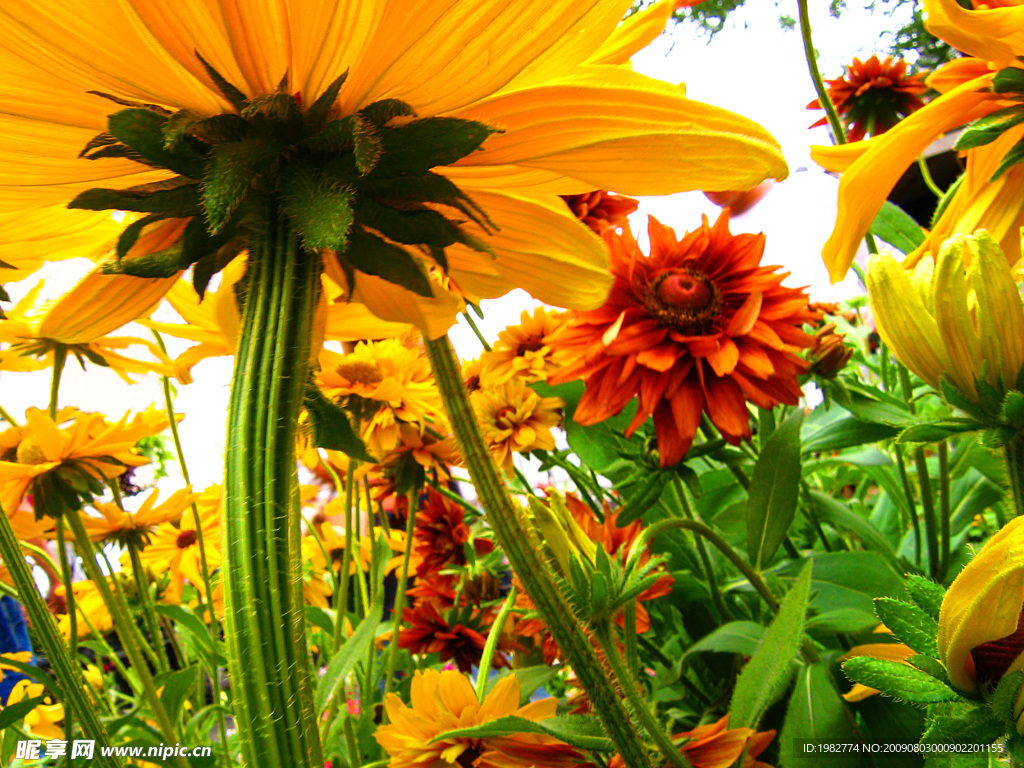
753,67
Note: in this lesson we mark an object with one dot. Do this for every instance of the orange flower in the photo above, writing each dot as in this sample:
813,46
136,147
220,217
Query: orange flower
873,96
716,745
699,325
458,635
441,534
601,210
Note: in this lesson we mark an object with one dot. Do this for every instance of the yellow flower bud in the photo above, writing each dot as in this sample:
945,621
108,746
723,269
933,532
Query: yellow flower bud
981,631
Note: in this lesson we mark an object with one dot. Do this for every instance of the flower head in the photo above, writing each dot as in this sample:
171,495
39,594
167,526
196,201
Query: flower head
872,96
515,419
444,701
699,325
959,316
522,351
385,138
601,210
716,745
42,721
121,525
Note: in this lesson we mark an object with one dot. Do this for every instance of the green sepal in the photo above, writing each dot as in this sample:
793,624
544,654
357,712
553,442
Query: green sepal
218,129
599,593
380,113
367,144
937,430
232,170
911,625
428,188
899,681
319,209
417,226
579,585
1014,156
1008,80
174,197
213,252
953,396
926,594
930,665
143,131
371,255
279,112
331,428
165,263
415,148
1003,699
1013,410
237,99
987,129
130,234
205,267
958,723
896,227
320,110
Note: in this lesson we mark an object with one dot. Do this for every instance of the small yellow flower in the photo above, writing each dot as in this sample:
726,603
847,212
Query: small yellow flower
515,419
88,603
521,350
123,525
42,721
315,588
959,317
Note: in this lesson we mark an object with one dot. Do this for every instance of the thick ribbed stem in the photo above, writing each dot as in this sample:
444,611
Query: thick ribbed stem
521,546
1015,472
267,655
68,672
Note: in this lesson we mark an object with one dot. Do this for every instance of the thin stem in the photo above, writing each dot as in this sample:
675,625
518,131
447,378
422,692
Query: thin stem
484,670
901,466
521,546
923,480
152,623
702,552
480,337
126,630
838,131
69,598
7,417
1015,472
945,513
346,557
403,584
628,684
60,354
926,175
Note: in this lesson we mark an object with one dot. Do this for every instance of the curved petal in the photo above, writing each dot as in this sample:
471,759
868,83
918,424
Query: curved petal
347,321
616,129
957,72
634,34
514,178
868,181
836,158
395,304
995,34
540,247
50,234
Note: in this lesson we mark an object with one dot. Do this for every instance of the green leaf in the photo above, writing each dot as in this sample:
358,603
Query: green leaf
816,712
177,199
957,723
849,620
532,678
642,499
847,580
910,624
185,620
347,656
142,130
987,129
416,147
319,208
741,637
937,430
846,433
582,731
1003,701
331,426
176,688
33,672
371,255
317,617
1008,80
1013,156
764,679
774,490
233,168
898,680
926,594
930,665
842,518
12,713
896,227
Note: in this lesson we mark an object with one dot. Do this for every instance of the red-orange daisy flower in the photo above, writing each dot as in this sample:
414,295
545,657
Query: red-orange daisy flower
602,210
699,325
716,745
872,96
459,637
441,534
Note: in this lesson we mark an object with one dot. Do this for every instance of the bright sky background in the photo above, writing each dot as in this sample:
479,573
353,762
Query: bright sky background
753,67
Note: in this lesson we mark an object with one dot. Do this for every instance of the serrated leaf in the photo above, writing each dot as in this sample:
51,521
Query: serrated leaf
816,712
420,145
233,168
774,490
926,594
765,677
910,624
956,723
331,426
898,680
143,131
987,129
896,227
371,255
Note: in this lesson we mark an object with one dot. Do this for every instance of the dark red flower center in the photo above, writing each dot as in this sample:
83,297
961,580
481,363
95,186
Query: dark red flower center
991,660
530,344
186,539
685,299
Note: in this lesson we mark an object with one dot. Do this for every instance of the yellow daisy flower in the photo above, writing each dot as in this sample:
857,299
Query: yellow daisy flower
123,525
515,419
43,721
521,350
89,603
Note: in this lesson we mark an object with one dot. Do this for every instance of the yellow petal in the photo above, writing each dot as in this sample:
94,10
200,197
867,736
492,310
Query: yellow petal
634,34
903,321
953,317
395,304
868,181
355,322
995,34
999,312
838,157
540,247
46,234
616,129
957,72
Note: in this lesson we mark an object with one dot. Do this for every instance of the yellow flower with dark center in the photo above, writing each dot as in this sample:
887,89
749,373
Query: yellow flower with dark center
175,548
959,317
444,701
513,68
43,720
522,352
117,524
53,462
515,419
870,169
981,623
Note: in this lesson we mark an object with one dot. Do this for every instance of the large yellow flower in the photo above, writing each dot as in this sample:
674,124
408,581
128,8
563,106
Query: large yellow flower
871,169
549,76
